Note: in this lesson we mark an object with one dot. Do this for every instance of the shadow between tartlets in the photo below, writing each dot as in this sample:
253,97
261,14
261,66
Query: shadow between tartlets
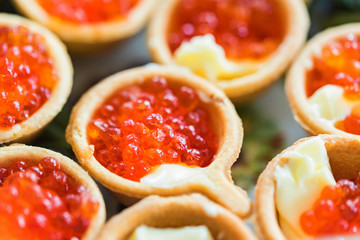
220,188
244,88
177,212
26,130
16,152
343,152
296,77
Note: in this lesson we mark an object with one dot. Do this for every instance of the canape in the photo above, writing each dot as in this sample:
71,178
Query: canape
84,25
241,46
322,85
159,130
35,78
311,190
45,195
182,217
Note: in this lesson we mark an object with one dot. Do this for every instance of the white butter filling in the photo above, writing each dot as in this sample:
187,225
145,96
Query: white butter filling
185,233
299,183
206,58
171,175
329,103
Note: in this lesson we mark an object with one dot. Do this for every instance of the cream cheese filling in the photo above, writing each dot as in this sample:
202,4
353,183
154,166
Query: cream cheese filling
206,58
186,233
171,175
299,183
329,103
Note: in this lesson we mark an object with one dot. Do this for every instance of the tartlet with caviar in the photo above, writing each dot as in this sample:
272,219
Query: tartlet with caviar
159,130
84,24
311,190
322,85
35,77
241,46
45,195
182,217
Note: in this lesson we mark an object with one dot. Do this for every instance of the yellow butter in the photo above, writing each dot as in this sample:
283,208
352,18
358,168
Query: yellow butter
300,182
185,233
171,175
329,103
206,58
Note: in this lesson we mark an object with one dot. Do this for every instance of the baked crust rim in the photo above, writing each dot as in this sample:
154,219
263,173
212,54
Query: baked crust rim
25,130
129,191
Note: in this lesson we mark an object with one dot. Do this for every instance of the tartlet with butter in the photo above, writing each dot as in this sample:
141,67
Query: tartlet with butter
322,86
182,217
310,190
159,130
241,46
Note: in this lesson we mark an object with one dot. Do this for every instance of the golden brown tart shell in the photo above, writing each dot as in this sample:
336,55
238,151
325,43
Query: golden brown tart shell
247,87
87,38
296,77
343,152
26,130
226,121
177,212
16,152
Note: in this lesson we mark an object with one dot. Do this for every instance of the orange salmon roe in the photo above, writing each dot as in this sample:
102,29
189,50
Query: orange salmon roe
244,28
337,211
88,11
42,202
27,74
339,64
141,127
351,124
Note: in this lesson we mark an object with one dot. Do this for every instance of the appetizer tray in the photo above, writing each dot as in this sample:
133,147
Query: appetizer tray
268,122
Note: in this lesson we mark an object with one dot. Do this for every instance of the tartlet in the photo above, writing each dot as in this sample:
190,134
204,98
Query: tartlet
342,154
61,65
177,212
305,113
215,181
33,156
267,68
84,37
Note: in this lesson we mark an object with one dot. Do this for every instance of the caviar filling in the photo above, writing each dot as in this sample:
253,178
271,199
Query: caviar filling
88,11
336,212
339,64
244,29
141,127
27,74
39,201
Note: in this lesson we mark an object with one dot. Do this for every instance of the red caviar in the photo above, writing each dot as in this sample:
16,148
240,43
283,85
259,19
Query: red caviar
244,28
143,126
337,211
351,124
88,11
27,74
339,64
40,201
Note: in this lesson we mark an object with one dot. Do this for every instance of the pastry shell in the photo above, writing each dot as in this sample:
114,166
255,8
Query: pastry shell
247,87
26,130
295,81
175,212
343,152
84,37
220,188
16,152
